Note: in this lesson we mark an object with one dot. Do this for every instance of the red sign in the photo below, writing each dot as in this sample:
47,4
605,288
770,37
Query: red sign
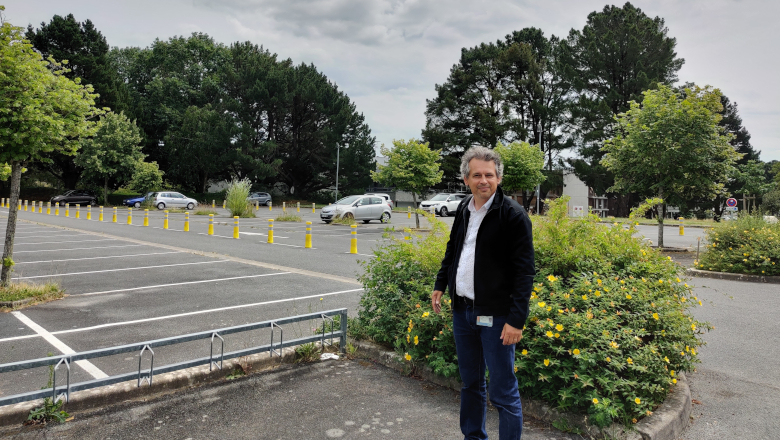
732,202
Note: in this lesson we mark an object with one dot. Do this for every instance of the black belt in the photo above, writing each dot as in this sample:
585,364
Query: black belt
463,301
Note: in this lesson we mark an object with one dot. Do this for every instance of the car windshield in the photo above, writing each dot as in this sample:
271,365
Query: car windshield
348,200
67,193
440,197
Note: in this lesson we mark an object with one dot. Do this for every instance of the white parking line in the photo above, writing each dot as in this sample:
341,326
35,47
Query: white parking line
54,242
48,236
96,258
81,249
365,255
178,315
183,283
88,366
122,269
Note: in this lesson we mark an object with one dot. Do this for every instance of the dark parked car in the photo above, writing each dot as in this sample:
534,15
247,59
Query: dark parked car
260,198
75,197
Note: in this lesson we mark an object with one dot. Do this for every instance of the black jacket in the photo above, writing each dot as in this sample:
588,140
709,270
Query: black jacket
503,262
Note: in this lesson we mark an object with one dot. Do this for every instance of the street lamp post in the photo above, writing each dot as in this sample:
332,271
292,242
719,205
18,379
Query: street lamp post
338,150
539,187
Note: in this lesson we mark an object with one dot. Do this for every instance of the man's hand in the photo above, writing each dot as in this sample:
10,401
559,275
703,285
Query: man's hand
511,335
436,300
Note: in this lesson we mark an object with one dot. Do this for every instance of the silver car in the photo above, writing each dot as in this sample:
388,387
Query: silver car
170,199
364,208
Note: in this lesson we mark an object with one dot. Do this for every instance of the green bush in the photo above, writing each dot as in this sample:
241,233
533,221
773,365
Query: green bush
235,198
771,202
608,328
747,245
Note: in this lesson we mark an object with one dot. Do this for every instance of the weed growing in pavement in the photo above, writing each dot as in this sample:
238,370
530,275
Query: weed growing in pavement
347,219
237,372
609,324
236,199
49,412
747,245
24,290
205,211
307,353
289,218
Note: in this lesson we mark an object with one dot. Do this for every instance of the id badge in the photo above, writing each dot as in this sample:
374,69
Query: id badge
485,321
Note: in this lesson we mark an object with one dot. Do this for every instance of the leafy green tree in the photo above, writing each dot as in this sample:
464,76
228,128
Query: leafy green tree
751,179
41,111
523,165
147,177
113,154
85,49
411,166
671,147
619,53
5,171
771,202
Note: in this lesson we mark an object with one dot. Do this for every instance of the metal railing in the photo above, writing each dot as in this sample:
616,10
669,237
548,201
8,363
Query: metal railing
146,375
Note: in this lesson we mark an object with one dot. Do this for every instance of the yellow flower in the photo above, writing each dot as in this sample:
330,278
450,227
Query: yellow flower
416,340
541,304
407,357
613,344
551,278
630,361
557,335
628,296
608,359
576,351
638,401
598,280
546,362
407,338
418,306
671,373
559,327
674,380
549,334
595,401
597,293
666,359
524,352
655,316
425,315
515,368
585,297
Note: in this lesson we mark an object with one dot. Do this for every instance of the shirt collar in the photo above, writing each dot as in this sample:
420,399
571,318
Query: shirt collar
484,207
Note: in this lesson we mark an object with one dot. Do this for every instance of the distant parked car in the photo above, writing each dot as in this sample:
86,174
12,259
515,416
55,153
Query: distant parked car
260,198
364,208
135,202
384,196
169,199
443,204
75,197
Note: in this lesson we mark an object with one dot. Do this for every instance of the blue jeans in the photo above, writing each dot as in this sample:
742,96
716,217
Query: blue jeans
477,347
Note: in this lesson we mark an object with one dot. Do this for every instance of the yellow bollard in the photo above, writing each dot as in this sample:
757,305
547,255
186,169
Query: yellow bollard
129,216
67,210
89,212
257,206
299,206
2,202
235,227
113,219
682,227
270,207
186,222
100,217
48,208
313,208
146,217
25,205
407,235
271,230
308,236
57,209
40,208
213,204
165,222
353,246
284,207
409,212
211,224
78,210
223,204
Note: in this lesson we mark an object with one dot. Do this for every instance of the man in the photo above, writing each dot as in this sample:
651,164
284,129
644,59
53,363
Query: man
489,269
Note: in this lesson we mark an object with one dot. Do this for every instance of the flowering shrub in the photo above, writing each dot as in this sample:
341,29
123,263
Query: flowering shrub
608,328
746,245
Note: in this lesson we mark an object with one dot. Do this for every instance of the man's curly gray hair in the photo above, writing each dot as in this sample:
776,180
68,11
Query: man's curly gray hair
481,153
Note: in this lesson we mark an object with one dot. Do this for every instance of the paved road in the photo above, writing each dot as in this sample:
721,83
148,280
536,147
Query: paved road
333,399
737,383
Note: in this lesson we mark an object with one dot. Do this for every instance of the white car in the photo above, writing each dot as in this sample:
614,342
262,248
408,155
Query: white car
364,208
443,204
170,199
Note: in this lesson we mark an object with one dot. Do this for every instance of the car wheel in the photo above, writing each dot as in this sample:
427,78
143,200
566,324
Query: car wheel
349,215
385,217
190,205
93,202
268,203
137,204
161,206
443,211
366,221
326,221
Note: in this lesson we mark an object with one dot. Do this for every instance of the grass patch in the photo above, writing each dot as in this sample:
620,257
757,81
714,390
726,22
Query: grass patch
706,223
205,211
343,220
289,218
37,292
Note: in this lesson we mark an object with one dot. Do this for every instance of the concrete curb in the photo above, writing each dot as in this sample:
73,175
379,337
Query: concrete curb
667,422
769,279
161,384
15,304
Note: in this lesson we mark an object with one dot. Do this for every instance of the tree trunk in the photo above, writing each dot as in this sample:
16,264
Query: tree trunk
10,231
416,215
205,182
661,215
105,190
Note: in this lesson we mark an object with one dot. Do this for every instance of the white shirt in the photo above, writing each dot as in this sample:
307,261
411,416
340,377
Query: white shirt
464,284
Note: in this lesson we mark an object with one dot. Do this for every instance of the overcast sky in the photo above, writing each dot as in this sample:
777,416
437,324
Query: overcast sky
387,55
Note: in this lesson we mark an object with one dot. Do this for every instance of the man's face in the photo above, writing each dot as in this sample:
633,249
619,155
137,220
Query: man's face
482,179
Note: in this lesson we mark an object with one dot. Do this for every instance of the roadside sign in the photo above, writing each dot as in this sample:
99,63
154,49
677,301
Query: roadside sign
732,208
732,202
